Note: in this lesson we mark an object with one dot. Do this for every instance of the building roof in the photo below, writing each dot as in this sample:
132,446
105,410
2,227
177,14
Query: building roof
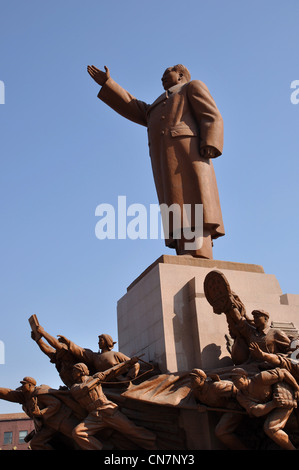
13,416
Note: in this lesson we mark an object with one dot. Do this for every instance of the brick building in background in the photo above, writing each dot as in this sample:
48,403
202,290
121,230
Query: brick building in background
13,428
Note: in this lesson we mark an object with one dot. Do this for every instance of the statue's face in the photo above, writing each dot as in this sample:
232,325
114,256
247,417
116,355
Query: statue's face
260,321
170,78
240,382
199,381
76,375
27,387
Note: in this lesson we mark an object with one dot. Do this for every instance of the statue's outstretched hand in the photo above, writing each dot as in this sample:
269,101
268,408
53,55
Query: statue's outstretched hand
99,76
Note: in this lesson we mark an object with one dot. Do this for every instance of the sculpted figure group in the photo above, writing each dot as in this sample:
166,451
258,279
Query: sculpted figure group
262,383
80,408
185,134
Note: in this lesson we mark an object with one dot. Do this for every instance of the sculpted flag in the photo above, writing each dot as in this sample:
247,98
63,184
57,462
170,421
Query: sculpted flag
164,389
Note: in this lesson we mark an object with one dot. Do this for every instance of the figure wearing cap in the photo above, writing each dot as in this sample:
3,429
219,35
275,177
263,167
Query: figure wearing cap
50,415
102,412
269,339
242,328
219,394
211,391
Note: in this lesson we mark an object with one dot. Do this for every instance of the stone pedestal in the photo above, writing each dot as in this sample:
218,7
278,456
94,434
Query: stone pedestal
165,315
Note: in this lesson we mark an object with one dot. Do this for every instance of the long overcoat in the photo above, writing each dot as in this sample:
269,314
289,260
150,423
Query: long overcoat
180,122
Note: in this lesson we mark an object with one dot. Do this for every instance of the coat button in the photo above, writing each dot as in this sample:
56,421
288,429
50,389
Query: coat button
162,132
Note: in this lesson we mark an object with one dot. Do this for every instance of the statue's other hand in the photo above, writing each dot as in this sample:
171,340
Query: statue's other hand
255,350
63,339
99,76
209,152
134,360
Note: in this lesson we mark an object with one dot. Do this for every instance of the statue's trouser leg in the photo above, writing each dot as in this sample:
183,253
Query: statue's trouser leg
83,433
67,425
225,429
141,436
200,248
41,440
274,424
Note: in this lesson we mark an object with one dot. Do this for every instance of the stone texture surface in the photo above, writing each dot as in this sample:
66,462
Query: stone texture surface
165,315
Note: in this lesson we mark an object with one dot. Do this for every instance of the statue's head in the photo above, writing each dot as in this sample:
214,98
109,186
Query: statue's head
28,384
106,342
198,377
175,75
80,369
239,377
261,318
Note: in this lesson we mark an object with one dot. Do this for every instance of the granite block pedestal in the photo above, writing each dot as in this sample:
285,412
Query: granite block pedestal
165,315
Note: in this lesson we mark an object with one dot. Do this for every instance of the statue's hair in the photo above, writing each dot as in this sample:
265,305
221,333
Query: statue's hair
109,341
198,373
182,69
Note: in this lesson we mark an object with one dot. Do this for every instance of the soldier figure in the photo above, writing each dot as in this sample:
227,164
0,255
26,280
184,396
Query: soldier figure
102,413
271,393
243,330
220,395
50,415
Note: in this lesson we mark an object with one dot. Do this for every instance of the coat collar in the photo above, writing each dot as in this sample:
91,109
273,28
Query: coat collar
174,89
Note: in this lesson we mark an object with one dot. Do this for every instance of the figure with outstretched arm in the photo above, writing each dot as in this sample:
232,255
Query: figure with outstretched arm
58,353
185,135
49,414
102,412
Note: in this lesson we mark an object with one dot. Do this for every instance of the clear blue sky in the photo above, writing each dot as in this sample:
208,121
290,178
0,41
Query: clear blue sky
63,152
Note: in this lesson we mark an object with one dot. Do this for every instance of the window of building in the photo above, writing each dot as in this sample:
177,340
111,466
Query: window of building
22,435
7,438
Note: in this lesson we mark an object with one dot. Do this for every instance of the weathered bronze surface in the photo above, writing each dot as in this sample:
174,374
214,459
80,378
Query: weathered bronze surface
111,401
185,133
